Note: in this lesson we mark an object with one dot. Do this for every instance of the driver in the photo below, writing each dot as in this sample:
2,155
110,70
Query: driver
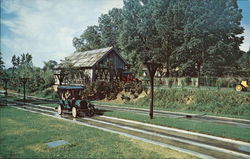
68,95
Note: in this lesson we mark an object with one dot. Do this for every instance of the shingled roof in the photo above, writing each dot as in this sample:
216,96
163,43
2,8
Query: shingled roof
87,58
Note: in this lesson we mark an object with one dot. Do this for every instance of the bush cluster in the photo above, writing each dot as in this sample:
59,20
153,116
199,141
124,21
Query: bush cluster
229,82
103,89
38,79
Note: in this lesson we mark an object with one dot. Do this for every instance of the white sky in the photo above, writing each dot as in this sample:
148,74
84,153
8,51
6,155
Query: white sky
45,28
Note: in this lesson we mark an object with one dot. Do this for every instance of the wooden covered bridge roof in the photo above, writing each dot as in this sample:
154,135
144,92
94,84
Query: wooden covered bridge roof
88,59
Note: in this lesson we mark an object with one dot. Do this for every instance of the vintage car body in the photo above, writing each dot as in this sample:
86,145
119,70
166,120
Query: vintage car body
243,85
70,100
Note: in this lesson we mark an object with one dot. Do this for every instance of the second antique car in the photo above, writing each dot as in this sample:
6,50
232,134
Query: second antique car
70,100
243,85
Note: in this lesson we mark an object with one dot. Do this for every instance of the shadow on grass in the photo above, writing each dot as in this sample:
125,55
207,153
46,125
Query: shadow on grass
101,111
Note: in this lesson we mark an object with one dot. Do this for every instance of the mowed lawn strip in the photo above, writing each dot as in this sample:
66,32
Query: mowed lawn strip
24,134
227,131
31,101
167,109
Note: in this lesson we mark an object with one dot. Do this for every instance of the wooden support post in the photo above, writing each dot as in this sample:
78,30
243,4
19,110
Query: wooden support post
6,80
152,67
24,80
60,77
24,91
152,97
199,75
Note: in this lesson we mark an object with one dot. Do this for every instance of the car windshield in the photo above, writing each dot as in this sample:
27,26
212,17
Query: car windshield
69,94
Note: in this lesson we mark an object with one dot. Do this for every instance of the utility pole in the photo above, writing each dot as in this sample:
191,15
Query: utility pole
24,80
152,67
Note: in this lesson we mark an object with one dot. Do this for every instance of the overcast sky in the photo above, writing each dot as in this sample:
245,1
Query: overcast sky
45,28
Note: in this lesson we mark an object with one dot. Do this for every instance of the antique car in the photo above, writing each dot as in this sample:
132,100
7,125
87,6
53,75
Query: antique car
71,101
128,76
244,85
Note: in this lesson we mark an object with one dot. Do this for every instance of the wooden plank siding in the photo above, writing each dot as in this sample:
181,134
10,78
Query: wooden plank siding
100,64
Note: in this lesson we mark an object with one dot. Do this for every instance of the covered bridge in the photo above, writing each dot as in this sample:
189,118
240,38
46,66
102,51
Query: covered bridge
88,66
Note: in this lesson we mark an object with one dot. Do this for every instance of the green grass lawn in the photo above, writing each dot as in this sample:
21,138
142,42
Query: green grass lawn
24,134
169,109
227,131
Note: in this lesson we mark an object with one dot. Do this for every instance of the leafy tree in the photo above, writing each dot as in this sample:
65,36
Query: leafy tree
244,61
39,79
110,26
1,62
50,65
90,39
13,61
18,61
79,44
139,33
93,37
209,36
1,65
169,24
185,35
23,59
28,58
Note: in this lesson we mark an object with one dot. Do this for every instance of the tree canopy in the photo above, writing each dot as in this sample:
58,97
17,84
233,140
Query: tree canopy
38,79
110,27
49,65
186,36
90,39
1,64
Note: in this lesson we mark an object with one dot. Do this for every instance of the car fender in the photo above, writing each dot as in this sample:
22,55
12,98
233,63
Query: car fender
78,103
61,102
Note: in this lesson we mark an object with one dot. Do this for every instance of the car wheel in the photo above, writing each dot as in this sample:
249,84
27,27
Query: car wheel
238,88
60,110
92,112
74,112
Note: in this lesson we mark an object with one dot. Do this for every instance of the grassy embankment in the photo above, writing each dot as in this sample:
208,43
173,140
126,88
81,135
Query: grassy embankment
227,102
224,102
24,134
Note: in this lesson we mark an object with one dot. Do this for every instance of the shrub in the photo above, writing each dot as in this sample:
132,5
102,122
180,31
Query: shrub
226,82
48,92
210,81
194,81
169,82
181,82
187,81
